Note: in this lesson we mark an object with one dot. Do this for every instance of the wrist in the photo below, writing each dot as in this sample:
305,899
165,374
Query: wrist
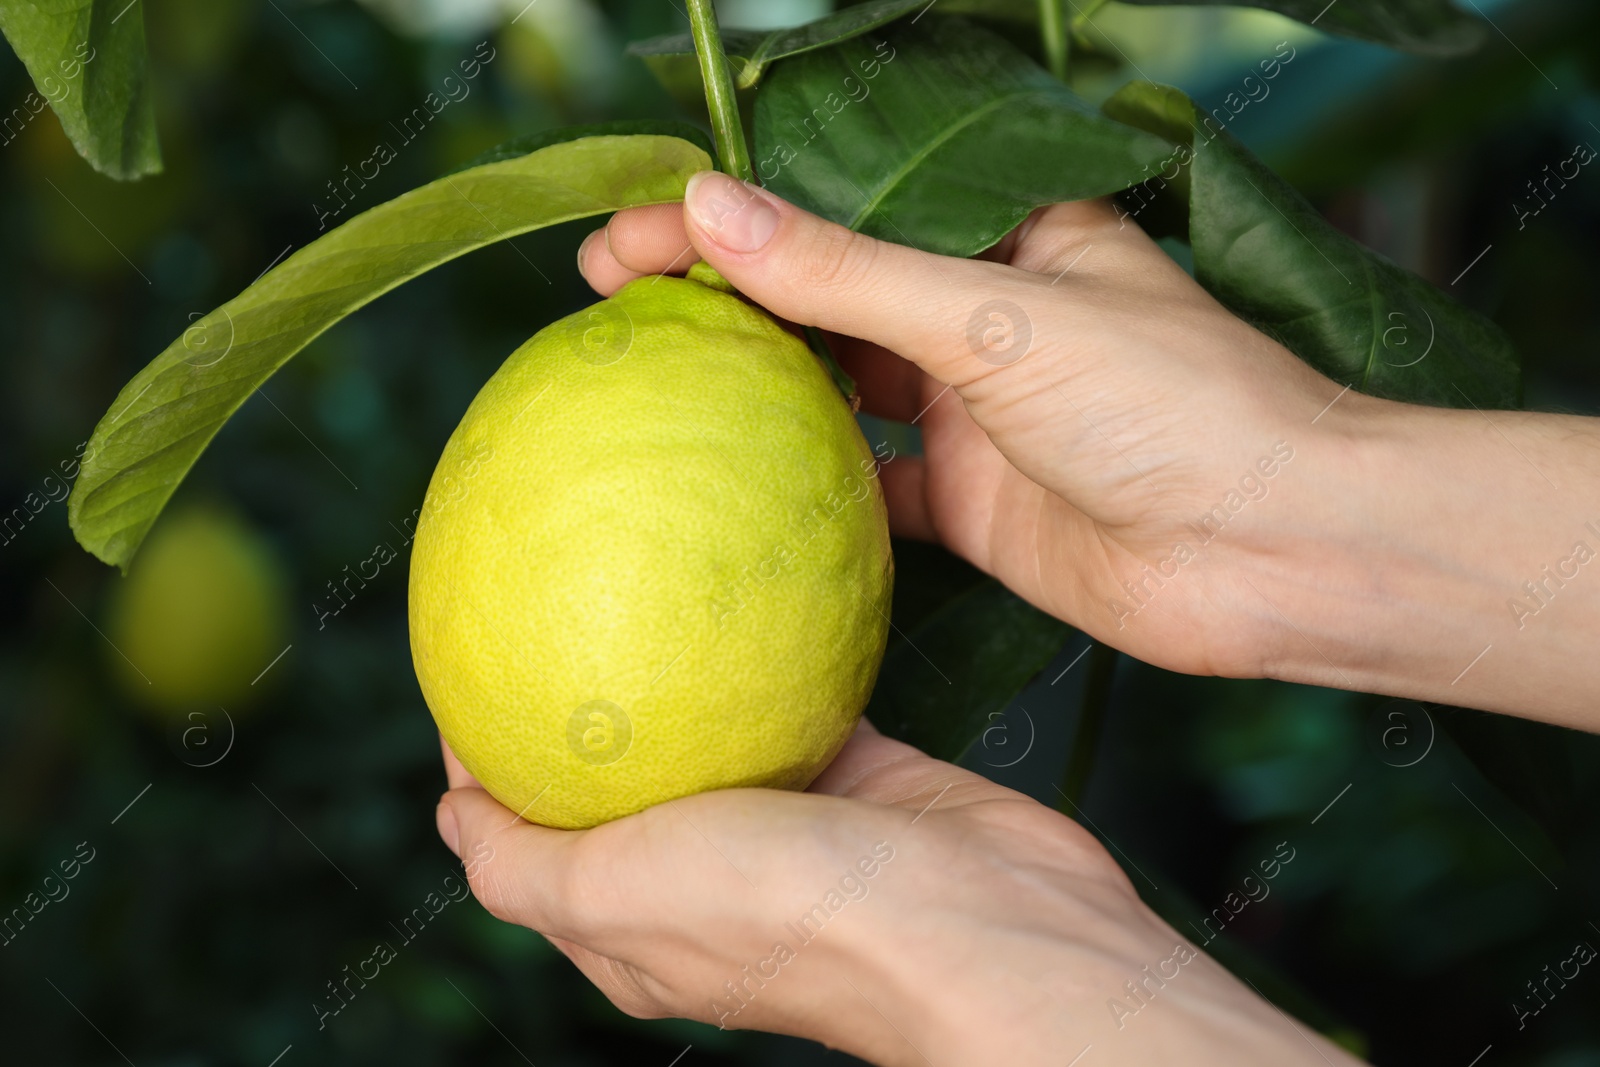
1409,546
1122,982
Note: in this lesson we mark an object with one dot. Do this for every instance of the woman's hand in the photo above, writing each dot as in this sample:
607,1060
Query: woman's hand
904,910
1118,448
1080,406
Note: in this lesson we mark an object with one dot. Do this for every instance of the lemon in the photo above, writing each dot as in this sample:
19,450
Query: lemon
201,613
653,561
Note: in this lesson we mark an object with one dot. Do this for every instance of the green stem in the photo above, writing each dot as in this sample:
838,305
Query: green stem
721,100
1102,671
1054,35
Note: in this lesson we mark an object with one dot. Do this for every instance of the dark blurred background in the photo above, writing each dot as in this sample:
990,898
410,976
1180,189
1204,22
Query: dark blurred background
229,860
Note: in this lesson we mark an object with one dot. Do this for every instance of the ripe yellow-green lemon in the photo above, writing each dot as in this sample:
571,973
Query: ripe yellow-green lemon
202,611
653,561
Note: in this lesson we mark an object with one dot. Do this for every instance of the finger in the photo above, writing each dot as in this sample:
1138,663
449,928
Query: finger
455,773
515,868
813,271
600,268
866,751
1086,236
651,240
879,769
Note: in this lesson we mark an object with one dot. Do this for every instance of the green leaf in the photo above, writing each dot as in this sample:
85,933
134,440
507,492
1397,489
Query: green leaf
1530,762
673,62
737,43
926,578
1430,27
164,418
532,142
87,58
939,686
1260,248
941,136
755,51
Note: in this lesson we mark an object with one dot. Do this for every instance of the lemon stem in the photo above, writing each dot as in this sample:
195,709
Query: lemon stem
721,100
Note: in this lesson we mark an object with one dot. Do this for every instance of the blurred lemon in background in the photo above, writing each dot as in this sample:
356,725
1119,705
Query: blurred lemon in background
201,613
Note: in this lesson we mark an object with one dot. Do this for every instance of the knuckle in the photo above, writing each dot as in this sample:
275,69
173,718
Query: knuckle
628,991
494,889
840,260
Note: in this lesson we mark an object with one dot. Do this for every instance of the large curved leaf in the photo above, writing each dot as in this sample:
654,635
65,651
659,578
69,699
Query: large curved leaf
1270,256
1431,27
87,58
938,135
164,418
532,142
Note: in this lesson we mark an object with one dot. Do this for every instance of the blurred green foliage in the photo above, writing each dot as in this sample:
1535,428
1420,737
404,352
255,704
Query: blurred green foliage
219,904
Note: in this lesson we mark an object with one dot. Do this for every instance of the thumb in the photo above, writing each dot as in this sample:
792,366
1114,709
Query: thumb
515,868
957,319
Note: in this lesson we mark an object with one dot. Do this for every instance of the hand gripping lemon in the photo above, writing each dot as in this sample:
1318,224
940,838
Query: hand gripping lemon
653,561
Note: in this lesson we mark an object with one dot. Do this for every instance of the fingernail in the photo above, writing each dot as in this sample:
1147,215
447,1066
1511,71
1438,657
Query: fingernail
583,248
449,829
735,215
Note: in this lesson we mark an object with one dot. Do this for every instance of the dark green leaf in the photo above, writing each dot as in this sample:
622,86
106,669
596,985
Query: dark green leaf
1431,27
940,136
828,30
940,685
1267,253
753,52
926,578
1530,762
672,60
87,58
164,418
737,43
